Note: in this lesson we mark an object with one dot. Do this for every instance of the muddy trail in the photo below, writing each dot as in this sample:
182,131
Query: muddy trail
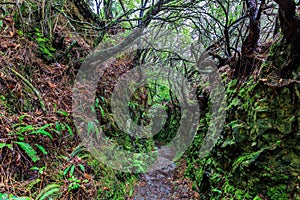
167,183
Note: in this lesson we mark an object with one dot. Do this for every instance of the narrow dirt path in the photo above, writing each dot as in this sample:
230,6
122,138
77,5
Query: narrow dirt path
165,184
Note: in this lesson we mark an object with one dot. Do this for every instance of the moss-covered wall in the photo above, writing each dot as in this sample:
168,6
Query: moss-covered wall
258,155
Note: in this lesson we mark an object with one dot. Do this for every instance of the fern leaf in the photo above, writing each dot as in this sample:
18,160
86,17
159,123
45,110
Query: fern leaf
48,191
43,150
29,150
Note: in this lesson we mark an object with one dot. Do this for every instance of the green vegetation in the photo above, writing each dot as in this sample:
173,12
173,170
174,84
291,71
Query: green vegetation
258,139
44,44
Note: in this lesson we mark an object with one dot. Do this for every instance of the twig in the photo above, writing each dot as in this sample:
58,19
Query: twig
37,93
6,3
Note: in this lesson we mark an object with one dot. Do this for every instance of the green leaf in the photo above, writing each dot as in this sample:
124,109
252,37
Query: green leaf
3,196
102,111
2,145
62,112
58,127
91,127
42,132
34,168
45,126
21,138
22,117
29,150
82,168
10,146
20,32
43,150
102,98
67,170
72,170
25,129
48,191
69,129
78,151
93,109
20,198
33,183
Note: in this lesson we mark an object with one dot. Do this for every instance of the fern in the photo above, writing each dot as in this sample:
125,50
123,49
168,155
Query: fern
66,170
78,151
42,132
29,151
72,169
69,129
48,191
33,183
2,145
22,129
42,149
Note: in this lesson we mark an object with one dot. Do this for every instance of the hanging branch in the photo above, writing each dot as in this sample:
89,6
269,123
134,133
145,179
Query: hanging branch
98,57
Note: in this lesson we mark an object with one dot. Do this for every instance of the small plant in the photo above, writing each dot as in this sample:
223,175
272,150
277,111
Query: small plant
49,191
29,150
98,105
75,183
75,160
278,192
45,47
22,133
75,168
61,127
39,169
22,130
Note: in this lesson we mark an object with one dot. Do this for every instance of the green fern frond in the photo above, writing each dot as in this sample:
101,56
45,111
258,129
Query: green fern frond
48,191
79,150
42,149
29,151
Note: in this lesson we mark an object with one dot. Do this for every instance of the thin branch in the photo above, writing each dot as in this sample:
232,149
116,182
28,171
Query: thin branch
8,3
124,10
37,93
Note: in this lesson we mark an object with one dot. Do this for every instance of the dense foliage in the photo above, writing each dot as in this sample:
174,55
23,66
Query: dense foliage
253,43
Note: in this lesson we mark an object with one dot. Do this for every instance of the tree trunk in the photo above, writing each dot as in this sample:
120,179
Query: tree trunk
290,27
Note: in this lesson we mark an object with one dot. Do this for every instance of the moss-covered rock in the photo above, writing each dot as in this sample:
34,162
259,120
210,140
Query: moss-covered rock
258,156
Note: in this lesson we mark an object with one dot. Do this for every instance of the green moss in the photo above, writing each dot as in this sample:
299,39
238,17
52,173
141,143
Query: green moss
278,192
3,100
257,157
45,46
113,184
